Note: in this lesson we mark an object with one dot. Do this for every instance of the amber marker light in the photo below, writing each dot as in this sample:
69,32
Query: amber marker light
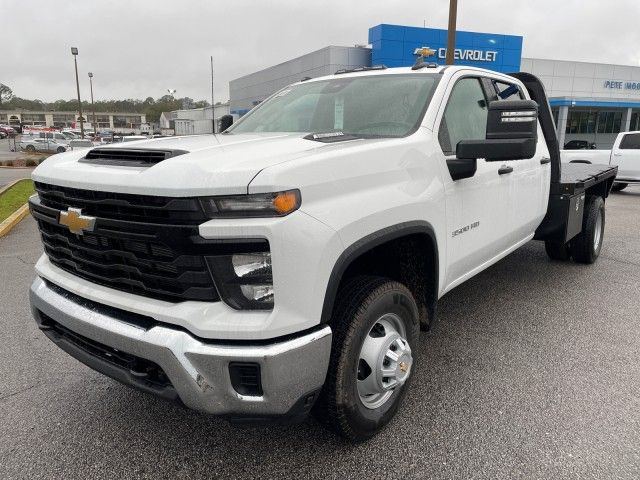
286,202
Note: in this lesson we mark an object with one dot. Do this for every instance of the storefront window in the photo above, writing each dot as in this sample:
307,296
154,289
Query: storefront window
581,122
609,122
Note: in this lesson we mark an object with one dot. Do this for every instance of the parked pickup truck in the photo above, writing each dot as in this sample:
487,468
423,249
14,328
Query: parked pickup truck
625,154
290,263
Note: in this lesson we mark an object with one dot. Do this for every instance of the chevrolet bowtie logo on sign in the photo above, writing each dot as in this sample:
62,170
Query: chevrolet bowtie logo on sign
76,222
424,52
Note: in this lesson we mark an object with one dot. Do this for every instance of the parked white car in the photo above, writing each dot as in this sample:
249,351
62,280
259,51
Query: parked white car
37,144
625,153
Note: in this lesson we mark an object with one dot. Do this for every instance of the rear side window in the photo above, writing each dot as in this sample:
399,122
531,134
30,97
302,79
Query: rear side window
507,91
630,142
465,117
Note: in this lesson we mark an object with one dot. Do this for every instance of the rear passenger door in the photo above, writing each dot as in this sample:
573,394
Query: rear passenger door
529,180
627,156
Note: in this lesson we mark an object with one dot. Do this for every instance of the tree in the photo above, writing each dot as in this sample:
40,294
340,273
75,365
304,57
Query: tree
6,93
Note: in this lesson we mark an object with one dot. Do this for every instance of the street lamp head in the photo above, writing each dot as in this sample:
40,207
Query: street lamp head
74,51
90,75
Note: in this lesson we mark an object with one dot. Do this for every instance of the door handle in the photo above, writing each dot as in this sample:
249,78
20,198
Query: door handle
617,154
504,169
545,160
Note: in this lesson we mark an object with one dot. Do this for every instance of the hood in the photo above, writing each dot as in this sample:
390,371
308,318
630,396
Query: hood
212,165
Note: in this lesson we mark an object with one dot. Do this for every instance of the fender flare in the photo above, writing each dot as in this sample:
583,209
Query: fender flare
365,244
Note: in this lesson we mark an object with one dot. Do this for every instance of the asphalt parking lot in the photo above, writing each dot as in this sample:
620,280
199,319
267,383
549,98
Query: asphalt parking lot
8,175
533,371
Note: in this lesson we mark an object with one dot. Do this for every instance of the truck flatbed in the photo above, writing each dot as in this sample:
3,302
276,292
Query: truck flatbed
577,177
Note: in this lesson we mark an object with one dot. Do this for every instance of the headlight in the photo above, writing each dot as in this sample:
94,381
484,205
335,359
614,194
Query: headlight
277,204
244,280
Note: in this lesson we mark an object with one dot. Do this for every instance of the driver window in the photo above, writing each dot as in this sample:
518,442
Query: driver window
465,117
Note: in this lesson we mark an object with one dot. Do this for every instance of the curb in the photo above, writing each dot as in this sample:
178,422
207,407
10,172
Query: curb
13,219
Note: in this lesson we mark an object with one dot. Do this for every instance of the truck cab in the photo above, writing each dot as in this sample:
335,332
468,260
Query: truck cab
289,264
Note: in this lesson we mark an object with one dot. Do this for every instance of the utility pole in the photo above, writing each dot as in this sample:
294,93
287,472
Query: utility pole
95,124
451,36
74,52
213,105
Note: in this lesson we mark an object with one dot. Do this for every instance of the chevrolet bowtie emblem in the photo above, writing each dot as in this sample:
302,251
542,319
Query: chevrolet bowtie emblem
76,222
424,52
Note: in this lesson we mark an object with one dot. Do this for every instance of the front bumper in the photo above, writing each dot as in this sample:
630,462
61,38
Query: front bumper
292,370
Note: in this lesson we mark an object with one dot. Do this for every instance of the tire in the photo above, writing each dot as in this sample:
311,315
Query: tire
61,150
617,187
30,148
368,309
586,247
557,250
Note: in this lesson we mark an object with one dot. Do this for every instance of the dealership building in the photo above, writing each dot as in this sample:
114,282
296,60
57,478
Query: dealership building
590,101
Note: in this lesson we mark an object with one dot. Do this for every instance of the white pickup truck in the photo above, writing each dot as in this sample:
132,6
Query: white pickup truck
625,154
290,263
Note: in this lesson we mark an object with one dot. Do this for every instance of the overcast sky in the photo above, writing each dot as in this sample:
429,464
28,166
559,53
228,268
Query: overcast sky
139,48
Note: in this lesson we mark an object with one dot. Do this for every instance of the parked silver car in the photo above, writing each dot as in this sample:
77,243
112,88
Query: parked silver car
31,144
78,144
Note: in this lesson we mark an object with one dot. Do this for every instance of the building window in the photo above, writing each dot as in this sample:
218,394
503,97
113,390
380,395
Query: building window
609,122
63,120
555,112
581,122
635,122
33,119
127,121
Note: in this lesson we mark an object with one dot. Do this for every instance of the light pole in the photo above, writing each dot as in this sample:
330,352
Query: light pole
95,124
213,105
451,36
74,52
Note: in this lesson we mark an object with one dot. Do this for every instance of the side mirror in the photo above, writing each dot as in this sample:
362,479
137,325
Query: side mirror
225,122
512,133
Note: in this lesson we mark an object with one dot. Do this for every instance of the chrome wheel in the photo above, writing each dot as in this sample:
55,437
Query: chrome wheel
385,361
597,234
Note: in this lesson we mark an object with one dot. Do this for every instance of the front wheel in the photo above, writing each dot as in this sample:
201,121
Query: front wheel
60,150
618,187
376,328
586,246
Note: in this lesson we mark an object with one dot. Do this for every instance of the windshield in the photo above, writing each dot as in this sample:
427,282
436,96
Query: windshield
375,106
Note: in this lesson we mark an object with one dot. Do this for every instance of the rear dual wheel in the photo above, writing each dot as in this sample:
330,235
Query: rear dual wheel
376,328
586,246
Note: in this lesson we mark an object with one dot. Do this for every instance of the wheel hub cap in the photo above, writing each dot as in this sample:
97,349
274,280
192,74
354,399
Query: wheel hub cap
597,237
385,361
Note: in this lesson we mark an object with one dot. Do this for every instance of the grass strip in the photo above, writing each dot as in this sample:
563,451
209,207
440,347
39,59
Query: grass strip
15,197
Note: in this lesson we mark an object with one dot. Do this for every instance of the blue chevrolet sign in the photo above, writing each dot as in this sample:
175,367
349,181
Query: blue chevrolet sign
397,45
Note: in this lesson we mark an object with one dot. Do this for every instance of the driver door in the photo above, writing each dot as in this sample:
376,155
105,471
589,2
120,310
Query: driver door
477,219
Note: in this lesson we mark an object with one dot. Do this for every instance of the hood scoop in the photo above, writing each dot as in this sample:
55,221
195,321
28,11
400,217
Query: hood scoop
129,157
